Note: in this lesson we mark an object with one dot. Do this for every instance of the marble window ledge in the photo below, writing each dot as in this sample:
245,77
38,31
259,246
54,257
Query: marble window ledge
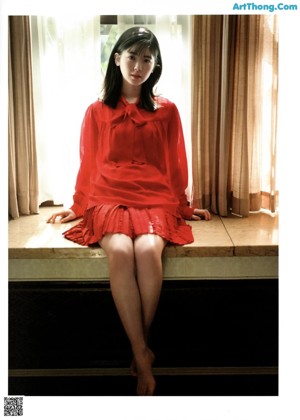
230,247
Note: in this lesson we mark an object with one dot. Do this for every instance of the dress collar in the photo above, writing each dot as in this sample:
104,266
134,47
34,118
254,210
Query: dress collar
128,110
125,102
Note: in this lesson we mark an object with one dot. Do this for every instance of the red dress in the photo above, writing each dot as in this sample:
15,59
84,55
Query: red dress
133,174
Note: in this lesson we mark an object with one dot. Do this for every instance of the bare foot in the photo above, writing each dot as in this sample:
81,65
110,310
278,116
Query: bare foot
133,369
146,382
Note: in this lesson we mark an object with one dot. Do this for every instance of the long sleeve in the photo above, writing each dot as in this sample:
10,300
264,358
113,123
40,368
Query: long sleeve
88,147
132,162
178,164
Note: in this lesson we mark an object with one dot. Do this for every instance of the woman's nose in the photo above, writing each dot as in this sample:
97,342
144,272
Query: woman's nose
138,65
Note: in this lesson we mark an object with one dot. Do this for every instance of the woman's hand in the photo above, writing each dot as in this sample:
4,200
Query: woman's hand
200,214
65,216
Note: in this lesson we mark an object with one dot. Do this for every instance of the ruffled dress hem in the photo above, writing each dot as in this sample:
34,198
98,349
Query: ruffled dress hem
107,218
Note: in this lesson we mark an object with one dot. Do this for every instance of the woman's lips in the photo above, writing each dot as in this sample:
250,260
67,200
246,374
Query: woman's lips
136,76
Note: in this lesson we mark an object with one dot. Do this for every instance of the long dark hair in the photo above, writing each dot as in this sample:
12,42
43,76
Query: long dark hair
142,38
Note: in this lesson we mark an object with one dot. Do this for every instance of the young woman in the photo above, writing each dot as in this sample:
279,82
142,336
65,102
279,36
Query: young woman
130,188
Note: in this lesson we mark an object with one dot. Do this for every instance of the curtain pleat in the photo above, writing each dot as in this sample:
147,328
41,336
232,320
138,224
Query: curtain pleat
23,177
233,124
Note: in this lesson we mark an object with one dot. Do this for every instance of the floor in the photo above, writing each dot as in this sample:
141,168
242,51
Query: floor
166,386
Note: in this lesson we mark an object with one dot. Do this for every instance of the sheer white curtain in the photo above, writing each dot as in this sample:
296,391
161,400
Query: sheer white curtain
67,78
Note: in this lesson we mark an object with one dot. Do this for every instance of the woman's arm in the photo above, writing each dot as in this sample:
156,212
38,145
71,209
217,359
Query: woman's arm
179,169
88,145
88,148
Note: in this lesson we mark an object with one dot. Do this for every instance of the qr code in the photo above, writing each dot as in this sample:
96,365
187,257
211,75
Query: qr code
13,406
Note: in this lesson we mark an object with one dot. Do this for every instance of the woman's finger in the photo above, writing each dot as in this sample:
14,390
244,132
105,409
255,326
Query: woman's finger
201,213
54,216
67,218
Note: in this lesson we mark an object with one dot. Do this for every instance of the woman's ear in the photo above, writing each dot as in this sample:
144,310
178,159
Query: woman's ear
117,59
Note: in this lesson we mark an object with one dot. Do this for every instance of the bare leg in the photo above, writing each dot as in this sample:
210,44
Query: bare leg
120,251
148,250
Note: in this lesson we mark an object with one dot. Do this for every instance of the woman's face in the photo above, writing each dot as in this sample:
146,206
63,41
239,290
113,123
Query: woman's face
135,67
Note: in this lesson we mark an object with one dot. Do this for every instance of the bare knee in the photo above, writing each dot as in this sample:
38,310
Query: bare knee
149,247
118,247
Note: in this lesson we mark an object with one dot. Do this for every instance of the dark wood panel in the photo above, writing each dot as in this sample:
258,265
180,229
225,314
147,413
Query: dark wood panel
166,386
65,325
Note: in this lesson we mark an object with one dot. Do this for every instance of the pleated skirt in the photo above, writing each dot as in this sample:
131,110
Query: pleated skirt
105,219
